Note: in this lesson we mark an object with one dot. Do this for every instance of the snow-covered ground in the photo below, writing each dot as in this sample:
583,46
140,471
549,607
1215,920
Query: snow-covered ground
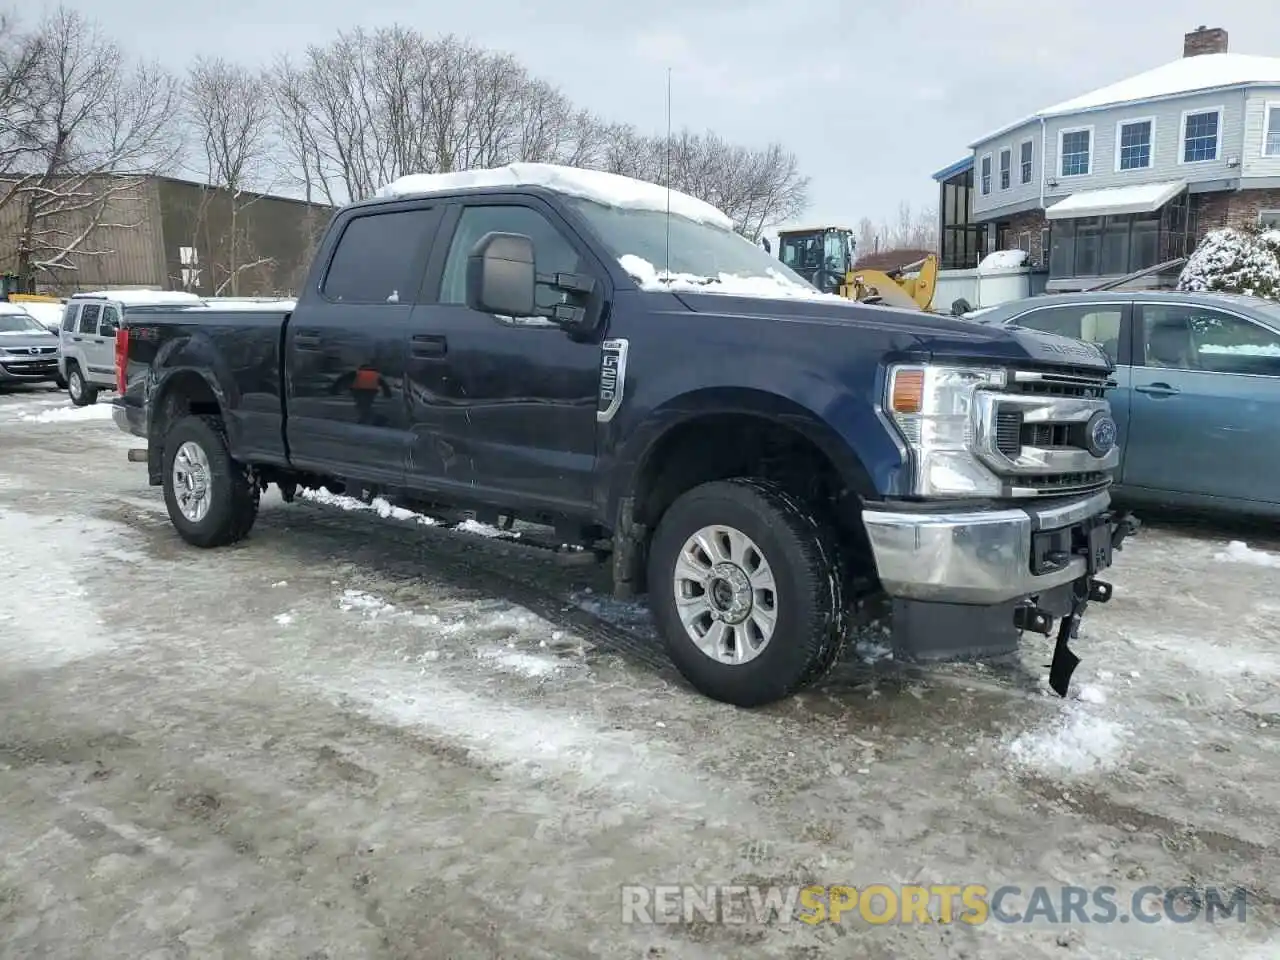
341,738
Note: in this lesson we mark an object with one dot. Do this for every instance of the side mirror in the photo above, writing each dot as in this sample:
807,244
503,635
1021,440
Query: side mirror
501,277
107,330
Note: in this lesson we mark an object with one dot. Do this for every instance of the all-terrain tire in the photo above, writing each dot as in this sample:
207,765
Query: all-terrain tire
801,550
232,487
82,393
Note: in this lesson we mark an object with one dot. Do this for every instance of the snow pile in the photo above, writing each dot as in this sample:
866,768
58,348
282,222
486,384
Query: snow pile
368,604
514,661
385,509
378,505
1074,744
1240,552
772,285
608,189
1232,261
47,617
1271,240
1003,260
95,411
140,297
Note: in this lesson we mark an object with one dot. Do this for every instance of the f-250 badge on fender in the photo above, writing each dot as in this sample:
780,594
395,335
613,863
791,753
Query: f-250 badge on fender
613,378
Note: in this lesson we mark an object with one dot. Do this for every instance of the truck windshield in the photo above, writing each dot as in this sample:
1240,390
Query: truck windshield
701,253
19,323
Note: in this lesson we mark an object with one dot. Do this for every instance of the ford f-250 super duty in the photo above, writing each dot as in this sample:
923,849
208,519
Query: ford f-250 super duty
604,356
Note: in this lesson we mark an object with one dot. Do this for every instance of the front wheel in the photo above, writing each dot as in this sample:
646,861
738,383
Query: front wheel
747,589
81,393
212,499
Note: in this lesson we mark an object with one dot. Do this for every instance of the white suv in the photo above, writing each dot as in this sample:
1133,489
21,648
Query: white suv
87,360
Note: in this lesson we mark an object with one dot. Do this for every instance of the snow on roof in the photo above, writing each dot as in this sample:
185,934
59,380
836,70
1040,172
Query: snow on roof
139,297
1210,71
10,309
609,189
1138,198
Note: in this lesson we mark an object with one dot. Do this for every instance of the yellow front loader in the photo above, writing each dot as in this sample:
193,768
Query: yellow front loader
824,257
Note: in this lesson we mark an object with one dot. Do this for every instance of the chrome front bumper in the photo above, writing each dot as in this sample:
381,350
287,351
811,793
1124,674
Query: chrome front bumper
974,557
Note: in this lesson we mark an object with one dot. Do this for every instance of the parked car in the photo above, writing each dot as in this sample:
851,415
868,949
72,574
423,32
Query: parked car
48,312
86,362
751,452
28,352
1197,389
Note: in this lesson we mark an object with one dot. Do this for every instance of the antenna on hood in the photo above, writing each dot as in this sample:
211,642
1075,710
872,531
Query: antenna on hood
667,265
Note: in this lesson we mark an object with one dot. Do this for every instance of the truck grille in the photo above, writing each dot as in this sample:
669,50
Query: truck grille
1033,432
1082,383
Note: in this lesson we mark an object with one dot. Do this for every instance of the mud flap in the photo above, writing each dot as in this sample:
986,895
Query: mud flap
1064,660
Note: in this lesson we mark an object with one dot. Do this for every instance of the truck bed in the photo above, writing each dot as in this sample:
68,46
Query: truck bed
240,346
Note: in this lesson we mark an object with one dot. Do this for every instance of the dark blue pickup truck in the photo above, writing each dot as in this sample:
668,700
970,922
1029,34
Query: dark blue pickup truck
608,358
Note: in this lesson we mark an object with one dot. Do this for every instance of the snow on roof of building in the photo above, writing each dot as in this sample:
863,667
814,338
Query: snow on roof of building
609,189
1211,71
1112,201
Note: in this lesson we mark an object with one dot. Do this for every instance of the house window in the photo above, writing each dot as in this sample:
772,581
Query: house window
1076,152
1271,131
1269,219
1025,159
986,174
1006,167
1134,145
1200,136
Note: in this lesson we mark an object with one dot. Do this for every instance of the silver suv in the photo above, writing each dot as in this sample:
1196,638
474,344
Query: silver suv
87,360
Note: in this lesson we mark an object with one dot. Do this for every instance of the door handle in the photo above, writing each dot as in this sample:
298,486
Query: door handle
427,345
306,342
1158,390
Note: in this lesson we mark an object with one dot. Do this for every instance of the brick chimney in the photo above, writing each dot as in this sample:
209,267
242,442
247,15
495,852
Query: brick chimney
1204,40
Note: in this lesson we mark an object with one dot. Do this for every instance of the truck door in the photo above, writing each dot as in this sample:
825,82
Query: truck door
503,409
346,346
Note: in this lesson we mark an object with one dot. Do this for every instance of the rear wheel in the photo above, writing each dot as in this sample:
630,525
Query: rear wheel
212,499
81,393
747,588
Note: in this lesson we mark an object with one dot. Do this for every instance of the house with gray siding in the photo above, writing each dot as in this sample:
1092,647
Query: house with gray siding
1128,176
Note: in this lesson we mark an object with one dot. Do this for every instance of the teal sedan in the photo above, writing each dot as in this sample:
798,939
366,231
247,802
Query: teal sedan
1197,395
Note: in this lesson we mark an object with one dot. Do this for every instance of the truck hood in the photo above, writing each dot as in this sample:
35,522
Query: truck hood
939,336
22,339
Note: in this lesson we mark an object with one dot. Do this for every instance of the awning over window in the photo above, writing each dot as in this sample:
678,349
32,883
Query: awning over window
1113,201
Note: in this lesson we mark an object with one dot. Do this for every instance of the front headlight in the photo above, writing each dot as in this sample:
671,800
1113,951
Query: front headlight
932,407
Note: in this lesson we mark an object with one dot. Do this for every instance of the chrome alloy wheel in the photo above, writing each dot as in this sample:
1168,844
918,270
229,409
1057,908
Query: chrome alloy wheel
191,481
726,594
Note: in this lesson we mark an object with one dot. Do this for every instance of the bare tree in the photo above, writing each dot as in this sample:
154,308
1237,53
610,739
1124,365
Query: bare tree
231,124
94,128
757,188
374,105
20,105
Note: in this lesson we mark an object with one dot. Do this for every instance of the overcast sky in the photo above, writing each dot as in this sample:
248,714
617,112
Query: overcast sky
872,96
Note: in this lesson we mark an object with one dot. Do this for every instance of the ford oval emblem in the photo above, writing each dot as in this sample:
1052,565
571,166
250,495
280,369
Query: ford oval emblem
1101,435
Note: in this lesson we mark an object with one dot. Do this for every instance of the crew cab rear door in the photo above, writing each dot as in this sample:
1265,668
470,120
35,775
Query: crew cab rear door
501,409
346,345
